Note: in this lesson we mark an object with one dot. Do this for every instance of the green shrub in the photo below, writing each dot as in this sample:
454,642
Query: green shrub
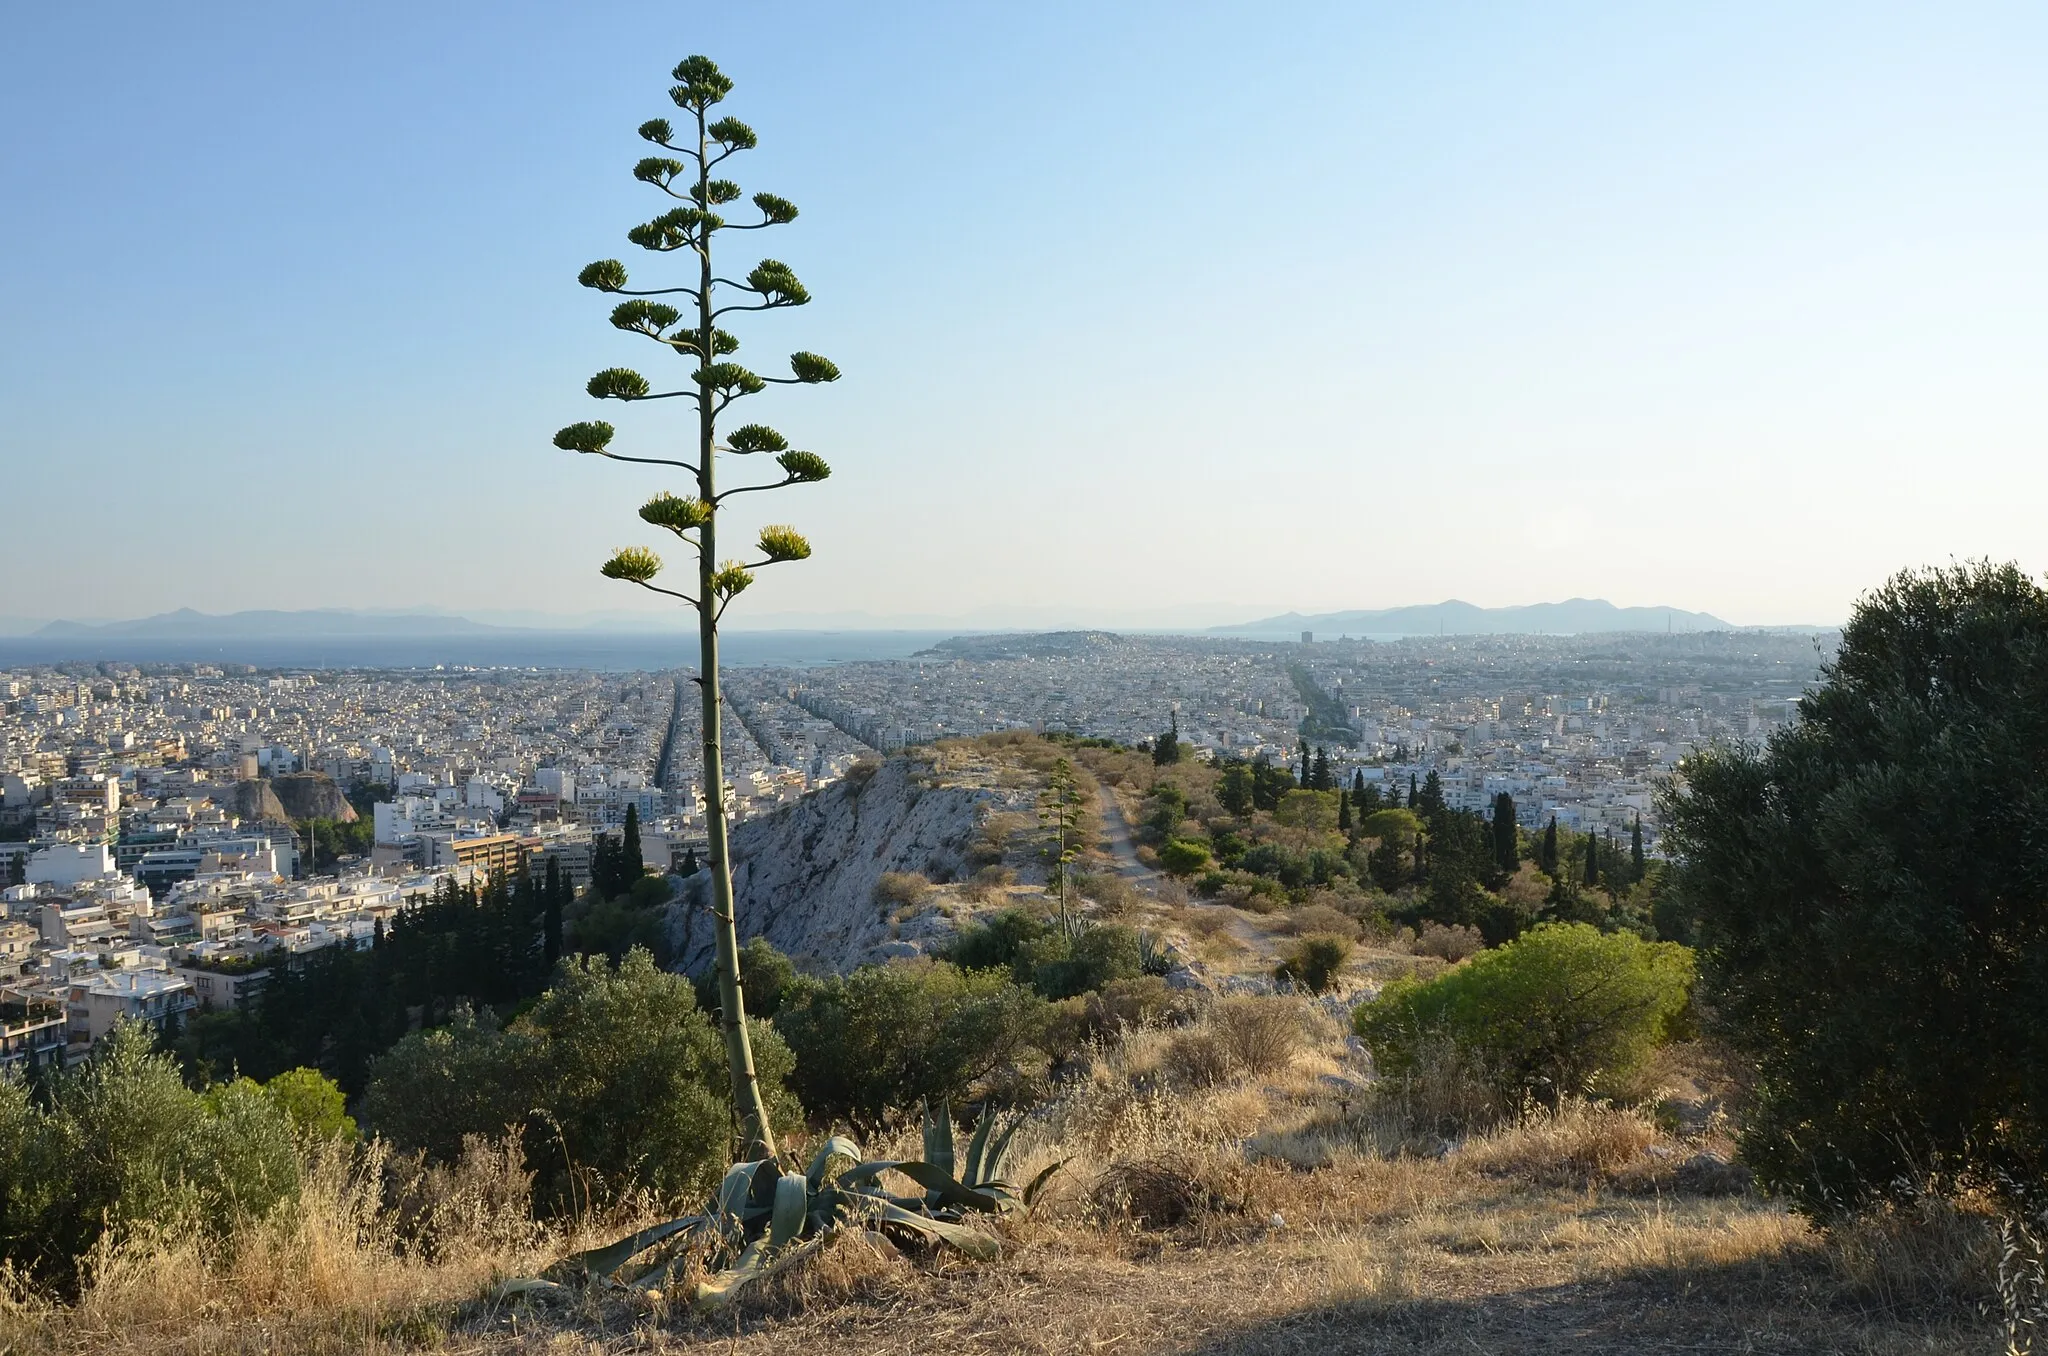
121,1143
1564,1010
1314,962
765,975
995,942
880,1040
1867,895
1098,956
1184,856
616,1077
314,1104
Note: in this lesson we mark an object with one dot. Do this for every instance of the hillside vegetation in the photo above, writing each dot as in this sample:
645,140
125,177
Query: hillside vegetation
1398,1161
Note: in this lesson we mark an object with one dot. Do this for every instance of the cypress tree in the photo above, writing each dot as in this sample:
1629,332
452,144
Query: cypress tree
1166,748
1432,799
1507,853
1637,864
1322,780
1344,815
1414,793
551,915
689,861
1358,788
1548,859
1302,745
1592,859
632,866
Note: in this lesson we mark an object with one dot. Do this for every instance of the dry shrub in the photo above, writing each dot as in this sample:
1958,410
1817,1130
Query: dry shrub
1243,1037
1314,918
989,881
1439,1099
862,771
900,889
1152,1194
1250,896
1453,943
1205,923
1113,895
320,1274
1118,1007
1579,1144
480,1203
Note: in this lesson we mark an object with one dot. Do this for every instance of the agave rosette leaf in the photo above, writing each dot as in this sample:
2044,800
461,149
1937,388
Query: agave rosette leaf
976,1244
790,1211
607,1262
834,1150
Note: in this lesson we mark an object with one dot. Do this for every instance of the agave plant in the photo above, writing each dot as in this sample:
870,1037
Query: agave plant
764,1218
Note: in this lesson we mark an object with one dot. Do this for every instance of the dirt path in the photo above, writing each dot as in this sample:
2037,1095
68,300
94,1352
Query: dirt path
1123,850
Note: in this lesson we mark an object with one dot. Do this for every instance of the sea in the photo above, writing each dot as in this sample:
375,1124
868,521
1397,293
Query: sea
613,651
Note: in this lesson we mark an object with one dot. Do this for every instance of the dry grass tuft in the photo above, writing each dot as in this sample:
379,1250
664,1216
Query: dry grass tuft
1578,1144
1933,1252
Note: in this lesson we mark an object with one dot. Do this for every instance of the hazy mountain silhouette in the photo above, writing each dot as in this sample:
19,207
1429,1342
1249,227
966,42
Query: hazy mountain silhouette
1453,618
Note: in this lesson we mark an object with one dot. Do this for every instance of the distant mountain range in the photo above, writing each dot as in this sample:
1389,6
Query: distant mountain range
186,624
1574,616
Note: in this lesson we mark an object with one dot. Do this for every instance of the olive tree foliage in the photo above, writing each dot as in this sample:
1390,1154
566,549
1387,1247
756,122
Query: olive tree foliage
120,1145
690,328
1869,894
615,1077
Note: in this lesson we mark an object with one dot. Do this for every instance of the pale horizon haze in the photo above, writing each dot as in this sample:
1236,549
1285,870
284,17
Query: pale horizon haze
1145,310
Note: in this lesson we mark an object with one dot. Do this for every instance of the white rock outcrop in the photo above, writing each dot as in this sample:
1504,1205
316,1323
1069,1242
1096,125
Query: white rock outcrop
805,876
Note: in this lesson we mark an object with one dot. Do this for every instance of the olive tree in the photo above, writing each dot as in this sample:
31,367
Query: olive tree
691,329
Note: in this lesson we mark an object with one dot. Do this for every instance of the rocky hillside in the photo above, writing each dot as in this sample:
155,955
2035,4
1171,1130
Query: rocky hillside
312,795
290,799
253,802
806,875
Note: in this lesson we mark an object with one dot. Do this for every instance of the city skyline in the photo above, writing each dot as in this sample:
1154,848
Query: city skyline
1737,312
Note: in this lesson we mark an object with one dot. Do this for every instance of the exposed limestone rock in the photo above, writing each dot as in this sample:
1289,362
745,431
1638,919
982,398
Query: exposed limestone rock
312,795
805,875
253,802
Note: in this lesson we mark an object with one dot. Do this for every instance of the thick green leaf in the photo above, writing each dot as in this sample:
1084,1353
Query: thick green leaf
992,1166
714,1291
938,1137
1038,1183
731,1201
837,1148
862,1176
942,1188
977,1147
605,1262
973,1242
792,1203
713,1294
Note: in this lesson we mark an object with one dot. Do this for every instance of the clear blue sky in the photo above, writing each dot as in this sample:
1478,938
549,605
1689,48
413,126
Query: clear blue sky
1141,307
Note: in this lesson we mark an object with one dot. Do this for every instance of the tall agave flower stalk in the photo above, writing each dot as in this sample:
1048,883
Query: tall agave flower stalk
691,330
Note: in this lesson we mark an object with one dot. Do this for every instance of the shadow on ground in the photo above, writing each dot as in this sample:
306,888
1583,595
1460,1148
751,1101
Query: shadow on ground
1736,1309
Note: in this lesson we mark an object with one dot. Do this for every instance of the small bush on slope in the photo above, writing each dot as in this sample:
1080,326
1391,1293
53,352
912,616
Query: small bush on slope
886,1037
1564,1010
